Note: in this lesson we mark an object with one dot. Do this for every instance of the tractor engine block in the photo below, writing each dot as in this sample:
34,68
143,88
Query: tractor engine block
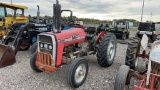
73,51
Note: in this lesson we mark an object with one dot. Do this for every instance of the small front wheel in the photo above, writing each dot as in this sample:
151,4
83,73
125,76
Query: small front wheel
33,63
34,47
121,78
77,72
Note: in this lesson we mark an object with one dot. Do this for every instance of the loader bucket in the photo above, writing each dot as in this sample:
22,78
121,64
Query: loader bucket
7,56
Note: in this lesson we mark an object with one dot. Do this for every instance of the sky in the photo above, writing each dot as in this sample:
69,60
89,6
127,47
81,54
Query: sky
97,9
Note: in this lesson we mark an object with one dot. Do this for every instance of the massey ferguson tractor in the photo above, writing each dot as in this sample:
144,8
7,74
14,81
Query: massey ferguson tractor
69,46
142,65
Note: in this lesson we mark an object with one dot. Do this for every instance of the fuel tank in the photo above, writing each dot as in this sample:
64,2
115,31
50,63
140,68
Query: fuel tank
71,36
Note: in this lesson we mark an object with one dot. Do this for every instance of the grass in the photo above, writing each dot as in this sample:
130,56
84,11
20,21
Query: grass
133,30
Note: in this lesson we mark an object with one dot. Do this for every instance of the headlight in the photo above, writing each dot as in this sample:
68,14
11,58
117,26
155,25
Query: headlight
45,45
50,47
41,45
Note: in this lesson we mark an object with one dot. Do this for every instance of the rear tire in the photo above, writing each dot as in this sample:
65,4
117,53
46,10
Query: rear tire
33,63
121,78
105,56
132,51
77,67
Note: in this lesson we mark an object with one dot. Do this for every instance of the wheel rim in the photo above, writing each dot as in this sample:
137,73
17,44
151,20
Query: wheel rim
23,46
111,50
80,73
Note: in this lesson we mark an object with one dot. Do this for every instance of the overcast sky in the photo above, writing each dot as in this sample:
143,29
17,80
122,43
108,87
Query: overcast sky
98,9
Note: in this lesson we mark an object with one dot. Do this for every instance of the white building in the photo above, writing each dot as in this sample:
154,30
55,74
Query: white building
157,25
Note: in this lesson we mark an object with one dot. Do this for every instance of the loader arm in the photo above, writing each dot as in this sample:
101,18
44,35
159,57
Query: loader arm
17,39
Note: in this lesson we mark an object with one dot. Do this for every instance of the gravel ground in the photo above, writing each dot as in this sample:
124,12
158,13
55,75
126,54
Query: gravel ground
21,77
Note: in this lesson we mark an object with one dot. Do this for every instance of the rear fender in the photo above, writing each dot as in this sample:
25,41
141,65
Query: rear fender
99,36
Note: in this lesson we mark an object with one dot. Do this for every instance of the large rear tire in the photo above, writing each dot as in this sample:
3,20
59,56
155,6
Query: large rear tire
121,78
132,51
106,49
33,63
77,72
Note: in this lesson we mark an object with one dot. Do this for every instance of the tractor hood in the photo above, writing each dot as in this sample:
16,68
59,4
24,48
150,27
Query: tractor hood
20,18
70,36
155,52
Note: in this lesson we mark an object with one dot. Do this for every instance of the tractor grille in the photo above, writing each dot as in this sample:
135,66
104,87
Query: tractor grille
45,40
45,62
156,70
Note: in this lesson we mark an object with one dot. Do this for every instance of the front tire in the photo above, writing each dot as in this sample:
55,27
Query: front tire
33,63
121,78
34,47
77,72
106,50
124,36
132,51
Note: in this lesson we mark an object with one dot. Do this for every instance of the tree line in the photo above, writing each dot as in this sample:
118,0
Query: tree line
88,20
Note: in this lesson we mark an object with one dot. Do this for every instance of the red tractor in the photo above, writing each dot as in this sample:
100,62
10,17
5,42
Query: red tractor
142,65
64,46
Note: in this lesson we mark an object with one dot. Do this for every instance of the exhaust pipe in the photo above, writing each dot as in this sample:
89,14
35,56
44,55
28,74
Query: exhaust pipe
38,14
57,17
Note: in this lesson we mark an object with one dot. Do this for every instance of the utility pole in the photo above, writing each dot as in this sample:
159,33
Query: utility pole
142,11
12,10
151,16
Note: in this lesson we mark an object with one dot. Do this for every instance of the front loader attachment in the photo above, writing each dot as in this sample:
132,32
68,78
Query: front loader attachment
8,53
7,56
